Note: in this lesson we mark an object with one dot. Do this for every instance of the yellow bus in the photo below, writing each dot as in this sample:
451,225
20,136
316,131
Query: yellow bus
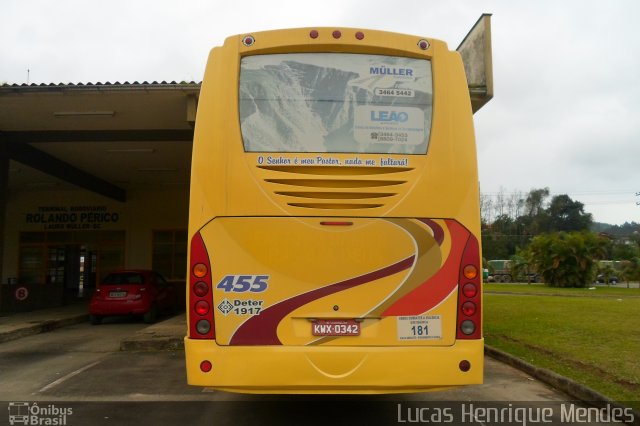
334,217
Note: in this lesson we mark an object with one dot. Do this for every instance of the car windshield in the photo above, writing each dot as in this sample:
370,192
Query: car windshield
124,278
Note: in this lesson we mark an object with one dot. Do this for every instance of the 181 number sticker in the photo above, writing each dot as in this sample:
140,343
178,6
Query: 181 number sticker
244,283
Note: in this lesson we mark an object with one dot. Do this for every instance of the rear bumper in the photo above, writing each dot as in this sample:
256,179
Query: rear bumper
118,307
333,369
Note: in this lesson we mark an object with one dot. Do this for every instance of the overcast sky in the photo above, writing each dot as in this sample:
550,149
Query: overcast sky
566,109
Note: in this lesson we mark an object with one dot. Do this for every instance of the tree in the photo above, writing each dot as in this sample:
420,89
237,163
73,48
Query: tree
534,202
607,272
631,271
535,219
566,259
567,215
520,265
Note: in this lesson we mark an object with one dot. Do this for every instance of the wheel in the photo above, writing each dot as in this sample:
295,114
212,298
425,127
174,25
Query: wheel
506,278
151,315
95,319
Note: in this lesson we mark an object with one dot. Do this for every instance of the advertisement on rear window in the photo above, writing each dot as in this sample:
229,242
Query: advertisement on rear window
335,102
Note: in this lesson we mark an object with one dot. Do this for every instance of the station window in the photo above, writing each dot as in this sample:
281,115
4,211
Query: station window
170,253
60,257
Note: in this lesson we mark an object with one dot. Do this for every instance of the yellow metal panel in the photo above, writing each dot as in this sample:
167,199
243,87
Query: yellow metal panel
321,369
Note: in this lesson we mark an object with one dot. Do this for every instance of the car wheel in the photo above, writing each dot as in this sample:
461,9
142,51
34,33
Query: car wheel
95,319
151,315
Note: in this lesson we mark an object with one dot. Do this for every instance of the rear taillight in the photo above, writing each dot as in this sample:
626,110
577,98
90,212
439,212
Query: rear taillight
201,325
469,294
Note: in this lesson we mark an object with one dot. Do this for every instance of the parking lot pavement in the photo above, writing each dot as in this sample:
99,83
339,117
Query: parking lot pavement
18,325
165,335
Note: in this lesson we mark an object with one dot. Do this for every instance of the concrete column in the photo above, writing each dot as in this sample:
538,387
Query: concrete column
4,182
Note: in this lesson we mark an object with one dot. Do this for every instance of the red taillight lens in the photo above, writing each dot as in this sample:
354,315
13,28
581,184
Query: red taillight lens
202,307
201,289
201,322
206,366
468,308
469,290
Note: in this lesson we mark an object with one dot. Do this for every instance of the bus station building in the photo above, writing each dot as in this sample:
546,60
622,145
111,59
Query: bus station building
93,178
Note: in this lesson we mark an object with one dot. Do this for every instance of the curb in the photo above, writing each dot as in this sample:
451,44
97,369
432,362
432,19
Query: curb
159,343
561,383
42,327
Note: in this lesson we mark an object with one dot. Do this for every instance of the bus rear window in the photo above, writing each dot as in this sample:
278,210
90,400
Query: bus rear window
335,102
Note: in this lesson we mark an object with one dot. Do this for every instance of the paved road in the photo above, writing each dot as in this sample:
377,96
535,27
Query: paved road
78,375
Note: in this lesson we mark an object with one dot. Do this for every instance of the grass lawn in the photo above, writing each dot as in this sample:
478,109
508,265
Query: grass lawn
593,339
592,291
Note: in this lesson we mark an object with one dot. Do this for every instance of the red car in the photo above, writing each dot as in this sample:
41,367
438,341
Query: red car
132,292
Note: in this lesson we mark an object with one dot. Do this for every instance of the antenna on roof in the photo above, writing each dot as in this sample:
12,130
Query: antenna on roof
28,71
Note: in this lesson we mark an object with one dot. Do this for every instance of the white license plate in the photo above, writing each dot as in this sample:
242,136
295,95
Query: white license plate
335,328
117,293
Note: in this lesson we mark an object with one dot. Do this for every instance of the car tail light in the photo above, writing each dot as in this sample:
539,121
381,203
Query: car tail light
201,323
469,294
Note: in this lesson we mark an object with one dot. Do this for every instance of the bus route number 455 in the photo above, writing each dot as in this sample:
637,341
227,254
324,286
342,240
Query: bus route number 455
244,283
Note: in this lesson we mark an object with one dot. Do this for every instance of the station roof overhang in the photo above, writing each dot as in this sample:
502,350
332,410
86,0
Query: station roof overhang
106,138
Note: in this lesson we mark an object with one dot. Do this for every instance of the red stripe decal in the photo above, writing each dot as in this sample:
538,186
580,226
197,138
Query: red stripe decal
262,329
440,285
438,232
